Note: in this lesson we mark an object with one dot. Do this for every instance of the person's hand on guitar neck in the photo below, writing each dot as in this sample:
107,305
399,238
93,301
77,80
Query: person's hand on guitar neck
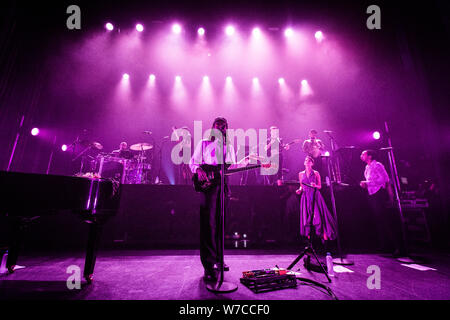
201,174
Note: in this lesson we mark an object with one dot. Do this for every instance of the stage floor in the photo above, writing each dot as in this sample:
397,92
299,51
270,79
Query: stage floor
177,275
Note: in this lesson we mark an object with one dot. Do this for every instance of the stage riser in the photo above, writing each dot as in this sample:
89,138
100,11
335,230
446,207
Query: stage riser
152,216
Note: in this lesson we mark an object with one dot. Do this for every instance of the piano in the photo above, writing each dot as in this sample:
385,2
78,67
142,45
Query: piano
27,196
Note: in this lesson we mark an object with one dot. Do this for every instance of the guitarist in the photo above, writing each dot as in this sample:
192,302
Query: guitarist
274,137
206,152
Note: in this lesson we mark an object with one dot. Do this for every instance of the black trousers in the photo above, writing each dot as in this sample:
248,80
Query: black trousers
210,228
387,223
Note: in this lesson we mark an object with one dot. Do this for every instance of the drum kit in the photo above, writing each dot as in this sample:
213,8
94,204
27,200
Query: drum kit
132,166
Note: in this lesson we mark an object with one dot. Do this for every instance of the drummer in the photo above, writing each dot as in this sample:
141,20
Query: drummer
123,151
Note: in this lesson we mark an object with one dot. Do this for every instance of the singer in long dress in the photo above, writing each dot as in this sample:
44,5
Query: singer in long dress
323,221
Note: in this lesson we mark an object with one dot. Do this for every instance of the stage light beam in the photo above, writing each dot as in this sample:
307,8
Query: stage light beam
64,147
288,32
376,135
201,32
109,26
319,36
256,32
229,30
176,28
139,27
34,131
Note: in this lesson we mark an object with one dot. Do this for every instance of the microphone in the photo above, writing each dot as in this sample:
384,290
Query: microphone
147,132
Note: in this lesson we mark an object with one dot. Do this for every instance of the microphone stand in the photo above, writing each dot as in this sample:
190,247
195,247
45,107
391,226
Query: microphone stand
395,179
341,260
336,167
309,247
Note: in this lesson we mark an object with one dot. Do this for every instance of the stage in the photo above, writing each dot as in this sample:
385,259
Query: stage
177,275
334,119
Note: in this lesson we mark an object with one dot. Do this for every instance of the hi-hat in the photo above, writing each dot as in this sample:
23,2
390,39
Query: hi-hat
141,146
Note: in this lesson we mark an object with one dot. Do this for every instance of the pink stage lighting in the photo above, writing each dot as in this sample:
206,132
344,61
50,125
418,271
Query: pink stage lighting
229,30
177,78
125,76
176,28
319,36
201,31
34,131
152,77
289,32
139,27
109,26
304,82
205,78
64,147
281,80
255,80
256,32
229,79
376,135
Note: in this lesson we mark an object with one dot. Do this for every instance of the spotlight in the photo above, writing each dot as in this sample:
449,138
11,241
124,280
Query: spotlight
205,78
201,31
229,79
64,147
319,36
289,32
281,80
139,27
176,28
109,26
255,80
152,77
304,82
34,131
125,76
177,78
376,135
256,32
229,30
326,154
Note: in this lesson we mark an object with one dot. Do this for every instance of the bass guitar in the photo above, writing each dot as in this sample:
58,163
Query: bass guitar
213,175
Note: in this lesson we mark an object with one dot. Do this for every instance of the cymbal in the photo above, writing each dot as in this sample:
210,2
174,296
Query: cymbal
97,145
141,146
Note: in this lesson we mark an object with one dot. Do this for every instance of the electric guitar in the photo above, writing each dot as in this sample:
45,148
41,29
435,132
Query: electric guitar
213,175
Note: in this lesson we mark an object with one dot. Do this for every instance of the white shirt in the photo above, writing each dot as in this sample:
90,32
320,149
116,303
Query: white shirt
205,153
376,177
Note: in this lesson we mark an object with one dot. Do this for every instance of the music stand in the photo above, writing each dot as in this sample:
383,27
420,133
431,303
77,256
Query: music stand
309,247
222,286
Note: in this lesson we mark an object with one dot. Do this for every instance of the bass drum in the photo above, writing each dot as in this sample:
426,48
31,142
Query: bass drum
138,173
112,170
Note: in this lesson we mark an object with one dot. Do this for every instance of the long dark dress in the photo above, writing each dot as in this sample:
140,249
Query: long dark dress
323,222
